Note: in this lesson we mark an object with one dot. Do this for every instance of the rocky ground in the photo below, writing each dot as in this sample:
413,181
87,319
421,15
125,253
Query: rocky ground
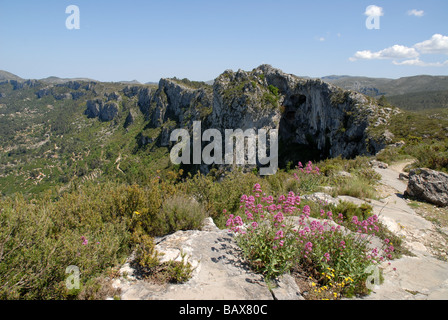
220,273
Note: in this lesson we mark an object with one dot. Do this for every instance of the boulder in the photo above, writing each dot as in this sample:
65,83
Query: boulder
286,288
379,164
403,176
321,197
428,185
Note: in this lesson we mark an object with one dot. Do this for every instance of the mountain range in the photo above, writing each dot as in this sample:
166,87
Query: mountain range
411,93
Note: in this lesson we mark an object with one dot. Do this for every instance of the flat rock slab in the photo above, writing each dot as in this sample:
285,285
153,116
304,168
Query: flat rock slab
219,272
414,278
421,277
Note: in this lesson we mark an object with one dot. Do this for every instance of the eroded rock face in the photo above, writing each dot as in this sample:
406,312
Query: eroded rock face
104,111
109,111
310,115
428,185
93,108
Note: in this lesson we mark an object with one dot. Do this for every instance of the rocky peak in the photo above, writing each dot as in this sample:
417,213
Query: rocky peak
315,119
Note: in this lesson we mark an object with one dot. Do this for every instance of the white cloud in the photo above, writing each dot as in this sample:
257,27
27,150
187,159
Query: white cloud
438,44
415,12
419,63
394,52
374,11
410,56
321,39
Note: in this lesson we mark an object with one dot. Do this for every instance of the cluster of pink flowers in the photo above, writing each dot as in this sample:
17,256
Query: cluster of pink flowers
315,238
85,241
389,249
368,225
235,223
307,249
309,169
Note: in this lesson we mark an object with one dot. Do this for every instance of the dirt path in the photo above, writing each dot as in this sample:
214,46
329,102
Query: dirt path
421,276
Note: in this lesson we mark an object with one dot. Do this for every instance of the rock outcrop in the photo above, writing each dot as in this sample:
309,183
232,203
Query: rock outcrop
220,272
310,115
104,111
428,185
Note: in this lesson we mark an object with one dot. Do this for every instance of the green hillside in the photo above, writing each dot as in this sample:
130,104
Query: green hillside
408,93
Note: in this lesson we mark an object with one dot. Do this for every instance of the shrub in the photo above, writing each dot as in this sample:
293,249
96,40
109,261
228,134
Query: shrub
308,178
274,90
39,241
349,210
216,196
88,227
357,187
181,213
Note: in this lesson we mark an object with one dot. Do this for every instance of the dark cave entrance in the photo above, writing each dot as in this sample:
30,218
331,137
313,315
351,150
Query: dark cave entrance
291,150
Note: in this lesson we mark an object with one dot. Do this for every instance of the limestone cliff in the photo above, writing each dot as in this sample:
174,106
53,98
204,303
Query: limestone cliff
314,118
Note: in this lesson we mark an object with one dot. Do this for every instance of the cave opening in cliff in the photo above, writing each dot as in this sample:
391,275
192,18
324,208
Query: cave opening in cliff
295,141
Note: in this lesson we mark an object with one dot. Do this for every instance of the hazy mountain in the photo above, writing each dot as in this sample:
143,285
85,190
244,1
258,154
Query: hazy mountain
410,93
4,75
130,82
56,80
377,87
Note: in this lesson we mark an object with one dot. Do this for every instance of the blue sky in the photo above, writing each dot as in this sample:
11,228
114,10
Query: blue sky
197,39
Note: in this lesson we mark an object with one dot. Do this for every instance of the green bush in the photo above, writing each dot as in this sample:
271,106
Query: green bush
39,241
181,213
349,210
357,187
88,227
216,196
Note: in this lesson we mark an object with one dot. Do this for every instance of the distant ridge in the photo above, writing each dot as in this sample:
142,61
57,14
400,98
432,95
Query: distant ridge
377,87
130,82
56,80
5,75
